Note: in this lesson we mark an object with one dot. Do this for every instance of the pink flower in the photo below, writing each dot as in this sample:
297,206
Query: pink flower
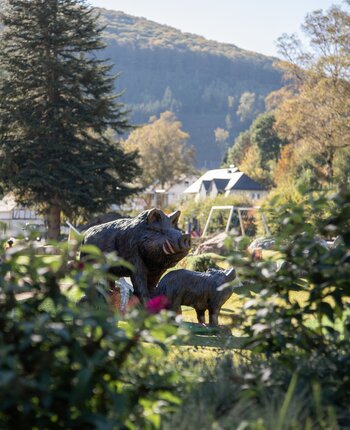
155,305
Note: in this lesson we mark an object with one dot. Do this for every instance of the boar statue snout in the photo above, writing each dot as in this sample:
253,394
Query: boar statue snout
183,245
185,242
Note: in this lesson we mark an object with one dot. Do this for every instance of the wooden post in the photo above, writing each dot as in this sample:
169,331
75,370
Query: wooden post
241,221
229,219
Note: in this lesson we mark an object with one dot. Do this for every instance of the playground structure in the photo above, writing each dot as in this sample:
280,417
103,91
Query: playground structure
243,218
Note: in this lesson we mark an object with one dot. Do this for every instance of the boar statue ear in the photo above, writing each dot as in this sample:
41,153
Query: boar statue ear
174,217
154,215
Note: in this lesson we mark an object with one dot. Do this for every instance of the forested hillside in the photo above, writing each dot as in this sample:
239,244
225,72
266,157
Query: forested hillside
208,85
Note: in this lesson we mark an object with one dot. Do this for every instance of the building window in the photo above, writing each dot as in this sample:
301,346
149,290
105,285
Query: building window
23,213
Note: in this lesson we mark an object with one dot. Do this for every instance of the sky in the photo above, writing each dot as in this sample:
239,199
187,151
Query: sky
250,24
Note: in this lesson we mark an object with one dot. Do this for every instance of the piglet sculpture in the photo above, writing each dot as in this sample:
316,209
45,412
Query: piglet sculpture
151,242
200,290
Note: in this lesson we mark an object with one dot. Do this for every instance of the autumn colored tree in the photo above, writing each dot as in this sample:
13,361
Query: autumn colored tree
317,110
221,137
285,166
251,165
164,154
246,109
266,138
257,150
237,151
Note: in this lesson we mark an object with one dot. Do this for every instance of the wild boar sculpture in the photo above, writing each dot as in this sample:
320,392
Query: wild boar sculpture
200,290
151,242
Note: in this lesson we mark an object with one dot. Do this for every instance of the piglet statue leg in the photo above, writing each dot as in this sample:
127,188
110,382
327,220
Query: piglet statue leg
213,318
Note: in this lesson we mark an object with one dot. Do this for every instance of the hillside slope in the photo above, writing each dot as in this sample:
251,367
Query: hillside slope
201,81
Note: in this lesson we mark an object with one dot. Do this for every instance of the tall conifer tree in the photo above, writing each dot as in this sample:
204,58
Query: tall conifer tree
56,104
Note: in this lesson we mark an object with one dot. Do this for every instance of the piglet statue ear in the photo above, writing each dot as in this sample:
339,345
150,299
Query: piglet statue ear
174,217
154,215
230,274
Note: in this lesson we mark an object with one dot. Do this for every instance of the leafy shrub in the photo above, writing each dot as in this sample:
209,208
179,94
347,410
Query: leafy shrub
297,327
201,209
252,394
69,367
300,317
201,263
293,198
204,262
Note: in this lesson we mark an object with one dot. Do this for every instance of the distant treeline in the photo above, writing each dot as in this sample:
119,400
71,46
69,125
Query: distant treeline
201,81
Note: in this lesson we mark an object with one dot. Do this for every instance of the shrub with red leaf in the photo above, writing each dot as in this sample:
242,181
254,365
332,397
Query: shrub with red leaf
155,305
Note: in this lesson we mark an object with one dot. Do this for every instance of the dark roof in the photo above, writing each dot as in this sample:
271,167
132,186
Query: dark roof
221,183
206,185
246,183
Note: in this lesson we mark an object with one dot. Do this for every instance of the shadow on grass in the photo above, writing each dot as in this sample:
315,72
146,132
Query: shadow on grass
214,337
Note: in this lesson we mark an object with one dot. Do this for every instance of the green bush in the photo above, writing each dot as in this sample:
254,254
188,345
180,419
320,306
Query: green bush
296,375
282,200
202,262
300,317
68,367
65,367
253,394
201,209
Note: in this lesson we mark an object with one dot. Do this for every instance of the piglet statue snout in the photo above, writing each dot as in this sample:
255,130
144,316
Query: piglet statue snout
230,274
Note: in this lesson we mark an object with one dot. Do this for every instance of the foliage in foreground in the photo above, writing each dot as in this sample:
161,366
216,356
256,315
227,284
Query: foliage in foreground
64,366
297,327
308,336
68,367
253,394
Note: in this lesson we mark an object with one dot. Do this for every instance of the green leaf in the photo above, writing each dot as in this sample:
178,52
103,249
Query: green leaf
287,402
6,377
170,397
80,390
346,238
326,309
91,250
154,419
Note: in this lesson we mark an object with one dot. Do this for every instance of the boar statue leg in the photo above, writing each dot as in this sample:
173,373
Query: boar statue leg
139,283
200,316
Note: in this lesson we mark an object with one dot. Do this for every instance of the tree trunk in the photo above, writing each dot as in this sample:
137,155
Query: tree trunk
54,221
330,166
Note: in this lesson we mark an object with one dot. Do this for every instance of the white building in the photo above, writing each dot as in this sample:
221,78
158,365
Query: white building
158,197
175,192
229,181
15,217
